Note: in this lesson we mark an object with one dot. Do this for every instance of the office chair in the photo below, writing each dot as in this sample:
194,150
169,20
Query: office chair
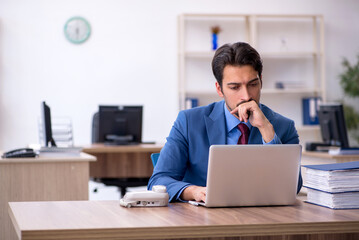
121,183
154,158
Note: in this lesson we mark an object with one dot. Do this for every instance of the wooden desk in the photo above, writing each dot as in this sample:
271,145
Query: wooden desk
129,161
122,166
41,179
323,157
107,220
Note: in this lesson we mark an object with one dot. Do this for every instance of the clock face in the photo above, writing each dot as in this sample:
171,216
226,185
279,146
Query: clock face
77,30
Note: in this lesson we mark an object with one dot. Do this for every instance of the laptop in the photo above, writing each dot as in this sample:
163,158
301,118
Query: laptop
252,175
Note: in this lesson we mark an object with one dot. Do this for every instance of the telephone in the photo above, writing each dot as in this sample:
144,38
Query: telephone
158,197
20,153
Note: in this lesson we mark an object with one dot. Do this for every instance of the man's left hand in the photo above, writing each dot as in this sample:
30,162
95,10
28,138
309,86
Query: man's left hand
250,111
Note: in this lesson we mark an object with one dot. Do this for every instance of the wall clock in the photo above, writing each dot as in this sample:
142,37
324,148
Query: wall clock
77,30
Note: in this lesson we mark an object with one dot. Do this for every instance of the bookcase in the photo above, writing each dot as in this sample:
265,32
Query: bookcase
291,47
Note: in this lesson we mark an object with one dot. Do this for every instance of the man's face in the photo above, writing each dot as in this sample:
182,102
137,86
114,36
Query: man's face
240,84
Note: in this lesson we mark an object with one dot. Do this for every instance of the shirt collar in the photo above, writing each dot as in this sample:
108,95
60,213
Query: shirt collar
232,121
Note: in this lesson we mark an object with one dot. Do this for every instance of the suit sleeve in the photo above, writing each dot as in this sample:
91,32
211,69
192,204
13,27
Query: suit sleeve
292,137
172,163
289,135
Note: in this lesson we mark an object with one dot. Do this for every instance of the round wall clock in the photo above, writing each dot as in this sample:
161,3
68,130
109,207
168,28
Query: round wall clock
77,30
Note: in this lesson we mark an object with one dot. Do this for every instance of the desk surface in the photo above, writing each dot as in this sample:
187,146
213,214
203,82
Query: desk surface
82,157
102,148
325,155
106,219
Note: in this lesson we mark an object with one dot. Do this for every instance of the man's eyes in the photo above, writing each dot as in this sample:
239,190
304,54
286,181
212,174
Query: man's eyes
236,87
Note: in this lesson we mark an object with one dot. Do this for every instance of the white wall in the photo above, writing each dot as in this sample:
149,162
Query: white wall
130,58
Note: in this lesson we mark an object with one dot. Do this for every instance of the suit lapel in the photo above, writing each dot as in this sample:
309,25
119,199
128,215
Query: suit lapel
215,125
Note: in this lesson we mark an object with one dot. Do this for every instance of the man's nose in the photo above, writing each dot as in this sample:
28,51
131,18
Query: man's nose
245,94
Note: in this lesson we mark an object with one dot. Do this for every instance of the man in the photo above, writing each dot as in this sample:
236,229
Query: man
183,162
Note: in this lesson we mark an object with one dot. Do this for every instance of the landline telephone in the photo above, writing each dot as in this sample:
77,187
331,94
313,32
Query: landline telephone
158,197
20,153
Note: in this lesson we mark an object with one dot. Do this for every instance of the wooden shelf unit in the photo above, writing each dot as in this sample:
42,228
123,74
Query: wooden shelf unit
291,46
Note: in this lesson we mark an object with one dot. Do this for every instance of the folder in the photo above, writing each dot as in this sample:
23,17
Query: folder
333,185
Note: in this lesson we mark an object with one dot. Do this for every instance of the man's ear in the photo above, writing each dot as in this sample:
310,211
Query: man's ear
219,90
260,78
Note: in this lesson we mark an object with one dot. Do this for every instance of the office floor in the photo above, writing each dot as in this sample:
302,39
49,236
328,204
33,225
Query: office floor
99,191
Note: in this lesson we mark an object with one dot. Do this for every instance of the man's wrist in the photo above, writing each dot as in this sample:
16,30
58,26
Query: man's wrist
187,193
267,131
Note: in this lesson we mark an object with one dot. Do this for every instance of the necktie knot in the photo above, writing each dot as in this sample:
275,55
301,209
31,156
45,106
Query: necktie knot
243,139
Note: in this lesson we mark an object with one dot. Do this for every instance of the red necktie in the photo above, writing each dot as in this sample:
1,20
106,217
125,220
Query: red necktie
243,139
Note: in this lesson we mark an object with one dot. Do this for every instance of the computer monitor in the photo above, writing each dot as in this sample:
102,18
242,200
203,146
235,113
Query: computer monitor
332,125
120,125
46,126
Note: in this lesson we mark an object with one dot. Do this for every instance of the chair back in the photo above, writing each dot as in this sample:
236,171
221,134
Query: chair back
154,158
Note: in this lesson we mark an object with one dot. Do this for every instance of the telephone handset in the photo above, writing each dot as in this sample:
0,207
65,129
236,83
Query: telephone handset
20,153
156,198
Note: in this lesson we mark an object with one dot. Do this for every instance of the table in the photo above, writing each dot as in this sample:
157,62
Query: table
41,179
107,220
324,157
124,165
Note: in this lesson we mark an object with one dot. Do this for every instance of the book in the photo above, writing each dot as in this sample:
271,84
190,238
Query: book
333,185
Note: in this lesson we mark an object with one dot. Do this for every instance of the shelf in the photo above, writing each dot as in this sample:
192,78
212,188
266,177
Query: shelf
308,128
281,16
264,91
290,91
201,92
283,54
299,55
291,47
207,17
206,55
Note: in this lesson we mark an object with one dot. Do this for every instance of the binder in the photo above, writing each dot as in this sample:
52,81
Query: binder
334,166
334,186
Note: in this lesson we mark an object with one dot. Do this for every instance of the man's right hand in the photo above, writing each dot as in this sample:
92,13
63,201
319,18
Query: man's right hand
194,193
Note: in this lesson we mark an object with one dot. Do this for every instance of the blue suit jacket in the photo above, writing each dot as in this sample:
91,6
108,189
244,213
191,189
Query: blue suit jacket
184,158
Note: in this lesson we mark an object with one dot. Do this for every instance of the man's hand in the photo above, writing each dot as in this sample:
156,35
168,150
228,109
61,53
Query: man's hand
250,111
194,193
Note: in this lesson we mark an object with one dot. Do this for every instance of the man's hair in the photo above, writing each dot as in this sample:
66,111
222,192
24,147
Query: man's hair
236,54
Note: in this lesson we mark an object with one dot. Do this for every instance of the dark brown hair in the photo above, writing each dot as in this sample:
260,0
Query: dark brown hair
236,54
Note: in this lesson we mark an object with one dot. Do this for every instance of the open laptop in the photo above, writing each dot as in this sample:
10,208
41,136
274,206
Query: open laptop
252,175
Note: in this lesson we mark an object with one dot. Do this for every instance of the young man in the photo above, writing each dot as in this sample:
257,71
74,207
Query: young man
183,162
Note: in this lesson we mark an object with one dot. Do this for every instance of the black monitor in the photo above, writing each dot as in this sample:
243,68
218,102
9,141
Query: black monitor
46,126
119,125
332,125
